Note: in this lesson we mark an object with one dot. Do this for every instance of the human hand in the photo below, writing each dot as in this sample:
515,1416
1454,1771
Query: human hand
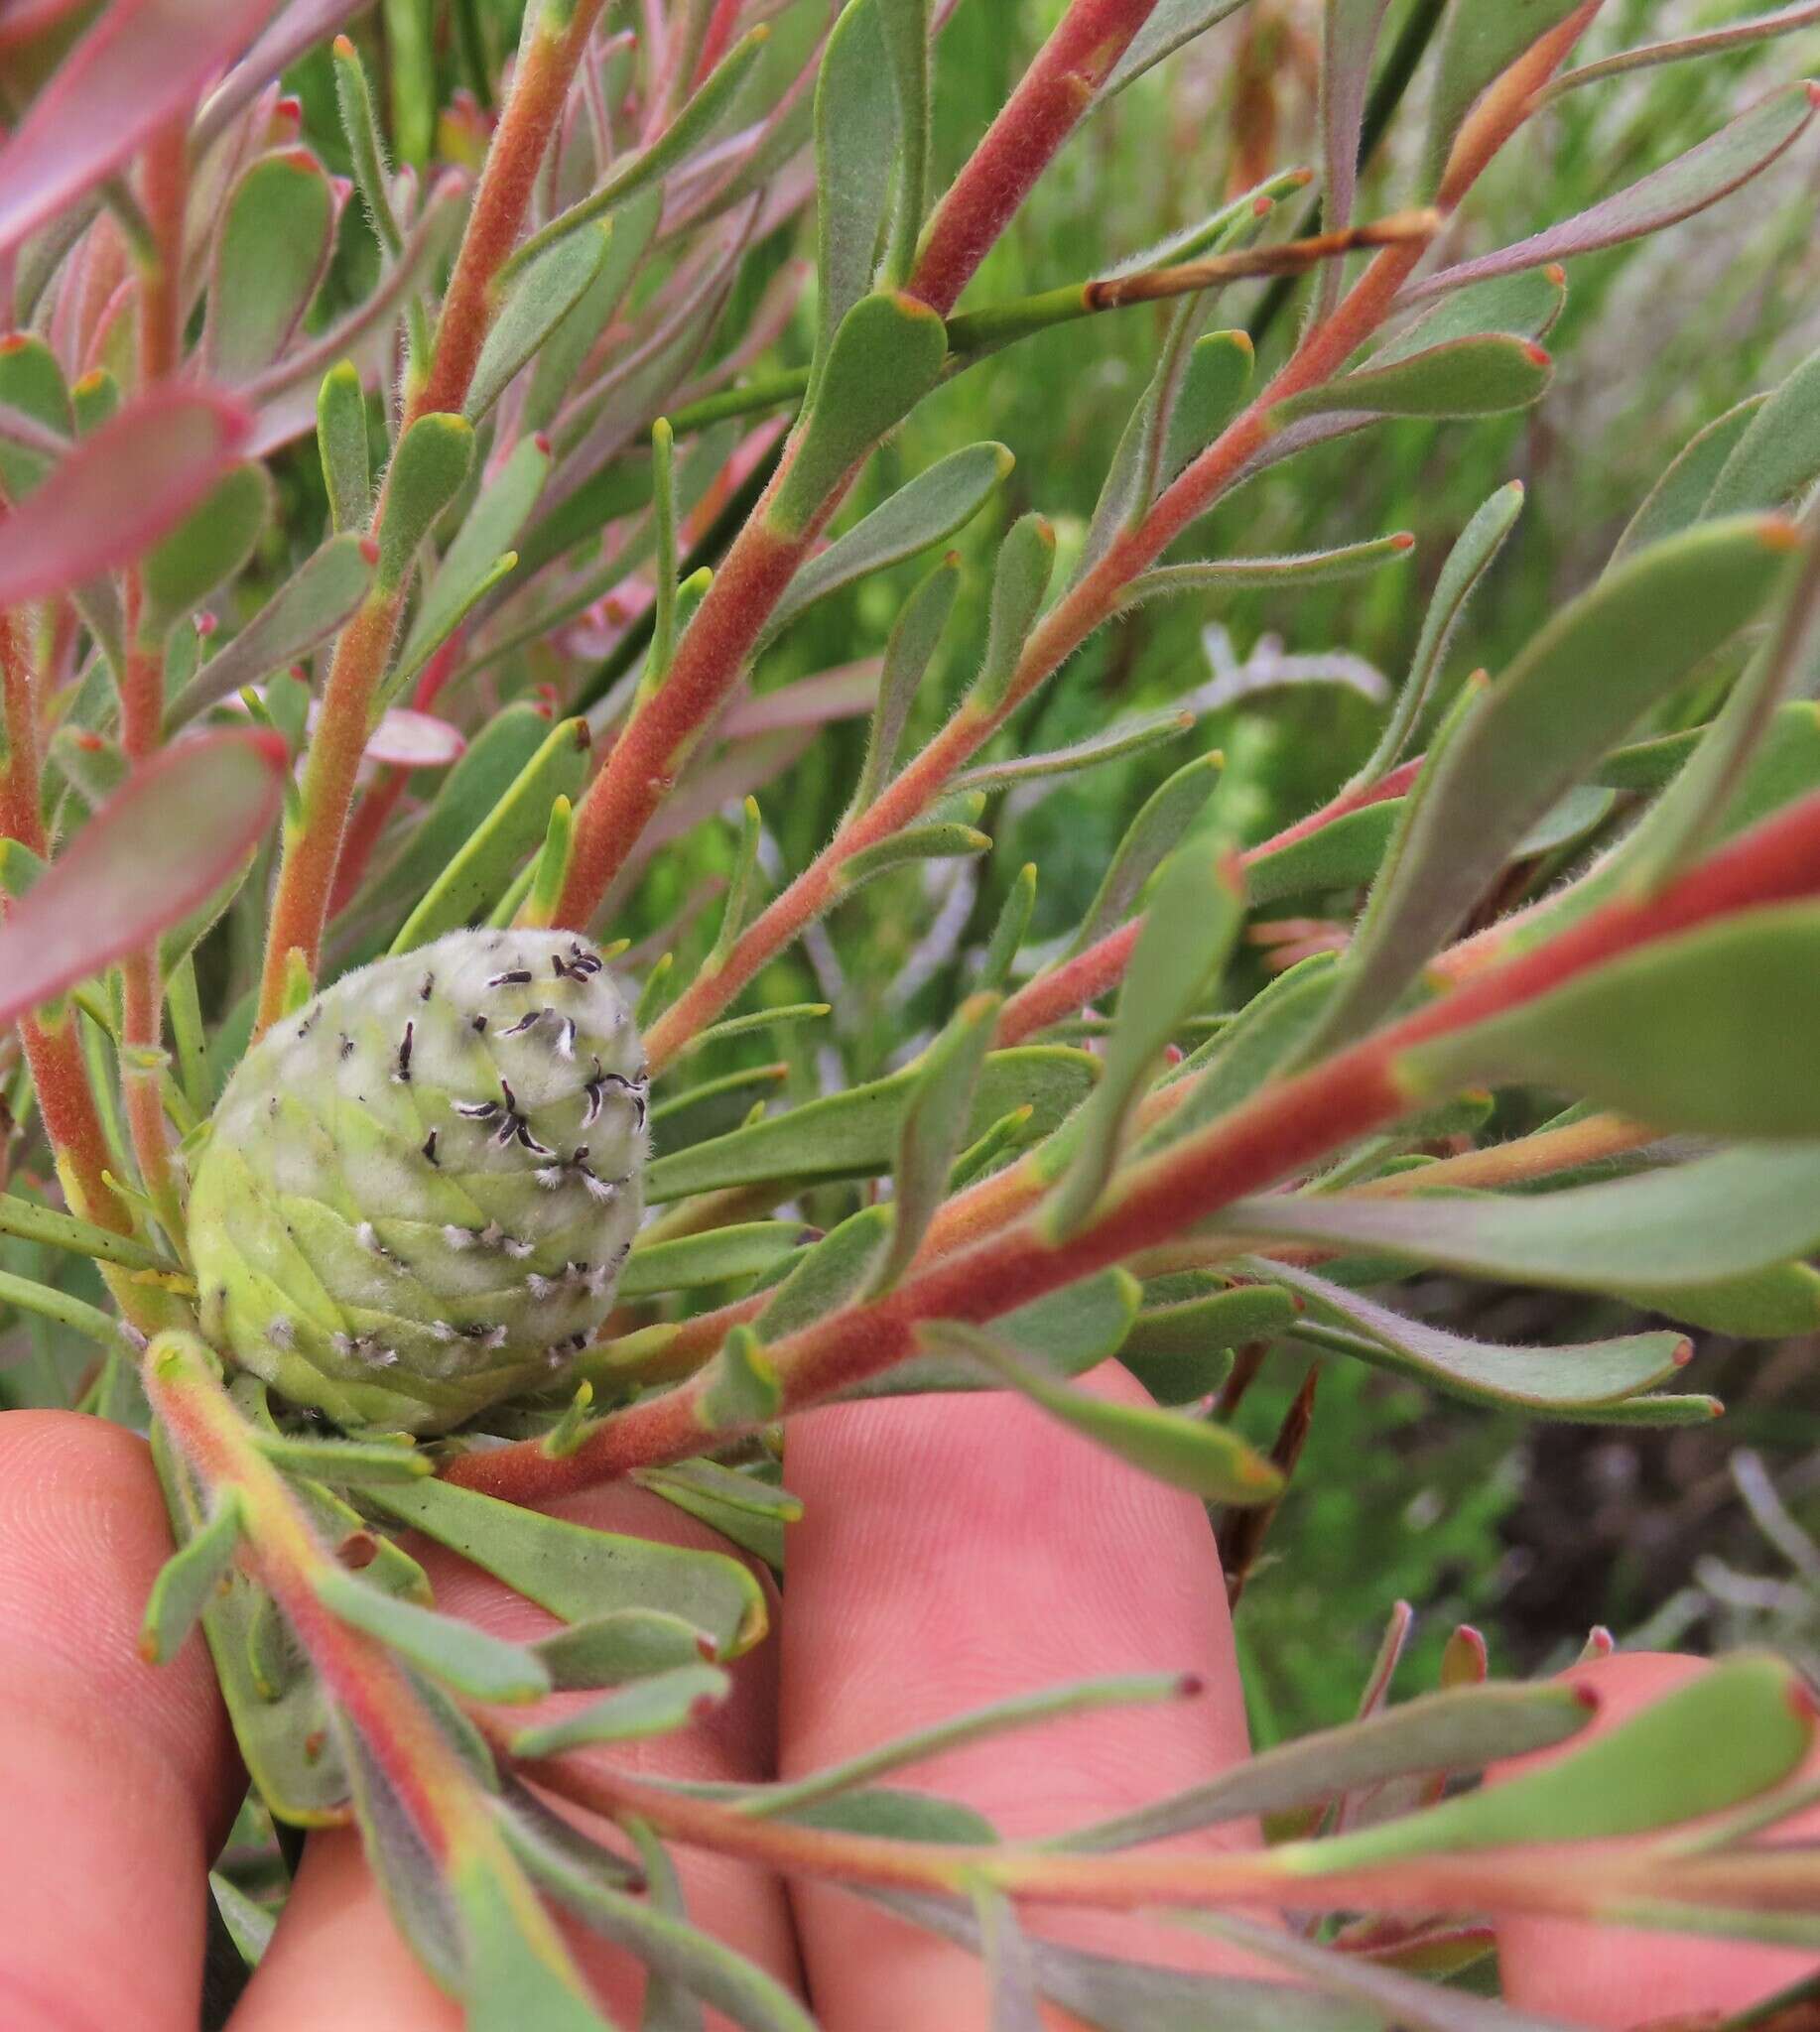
954,1551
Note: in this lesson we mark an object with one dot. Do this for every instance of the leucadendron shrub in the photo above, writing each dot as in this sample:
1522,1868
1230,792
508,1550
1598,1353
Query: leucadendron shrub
389,574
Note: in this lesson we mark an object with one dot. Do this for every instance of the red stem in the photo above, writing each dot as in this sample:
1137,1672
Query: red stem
1021,143
1280,1132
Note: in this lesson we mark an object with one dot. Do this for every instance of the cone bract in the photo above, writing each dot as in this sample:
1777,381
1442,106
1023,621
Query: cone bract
421,1187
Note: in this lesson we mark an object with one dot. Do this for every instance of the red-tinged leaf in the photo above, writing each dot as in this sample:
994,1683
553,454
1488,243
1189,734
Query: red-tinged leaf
413,740
142,63
840,694
119,491
1689,183
169,840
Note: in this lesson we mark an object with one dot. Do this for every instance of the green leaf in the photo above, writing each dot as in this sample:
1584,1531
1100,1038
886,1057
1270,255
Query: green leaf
1179,1352
885,356
494,850
426,472
557,366
835,1271
187,1581
1008,933
1467,563
1189,1454
915,636
204,549
1186,938
724,1255
459,1654
579,1573
1776,457
356,1463
1573,692
930,1130
1678,499
1715,1031
1457,1731
1216,377
629,1643
1168,26
1481,375
31,1222
1684,1225
944,840
361,128
1345,854
270,255
749,1999
1528,304
1701,177
1714,1742
1026,561
927,510
305,610
1122,738
538,296
857,140
249,1925
1544,1380
854,1134
1067,1332
1151,836
1303,567
495,758
471,564
1478,44
739,1386
31,383
655,1706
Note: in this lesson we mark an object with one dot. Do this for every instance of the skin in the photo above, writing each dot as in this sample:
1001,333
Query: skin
954,1551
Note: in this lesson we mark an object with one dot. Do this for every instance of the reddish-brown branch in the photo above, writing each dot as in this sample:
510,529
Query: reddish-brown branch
1021,143
1282,1130
1101,967
306,875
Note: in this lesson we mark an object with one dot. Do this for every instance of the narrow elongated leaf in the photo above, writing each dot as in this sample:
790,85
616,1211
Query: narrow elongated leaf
1467,563
655,1706
1701,177
750,2000
886,354
832,1274
1351,36
1678,499
1477,376
1149,838
495,848
269,259
1724,1215
470,564
1714,1742
1460,1730
856,144
1169,24
119,490
1206,1460
211,543
538,298
1216,377
461,1655
1478,44
1730,35
579,1573
426,474
1026,559
1343,854
1777,455
915,637
1120,739
1573,692
186,1581
32,1222
163,844
930,1131
143,63
1186,938
1714,1031
854,1134
1526,303
1544,1379
751,1248
629,1643
927,510
1067,1333
1304,568
1010,1972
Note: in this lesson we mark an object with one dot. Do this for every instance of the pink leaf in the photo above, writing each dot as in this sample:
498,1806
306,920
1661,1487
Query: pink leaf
142,63
119,491
158,847
415,740
840,694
